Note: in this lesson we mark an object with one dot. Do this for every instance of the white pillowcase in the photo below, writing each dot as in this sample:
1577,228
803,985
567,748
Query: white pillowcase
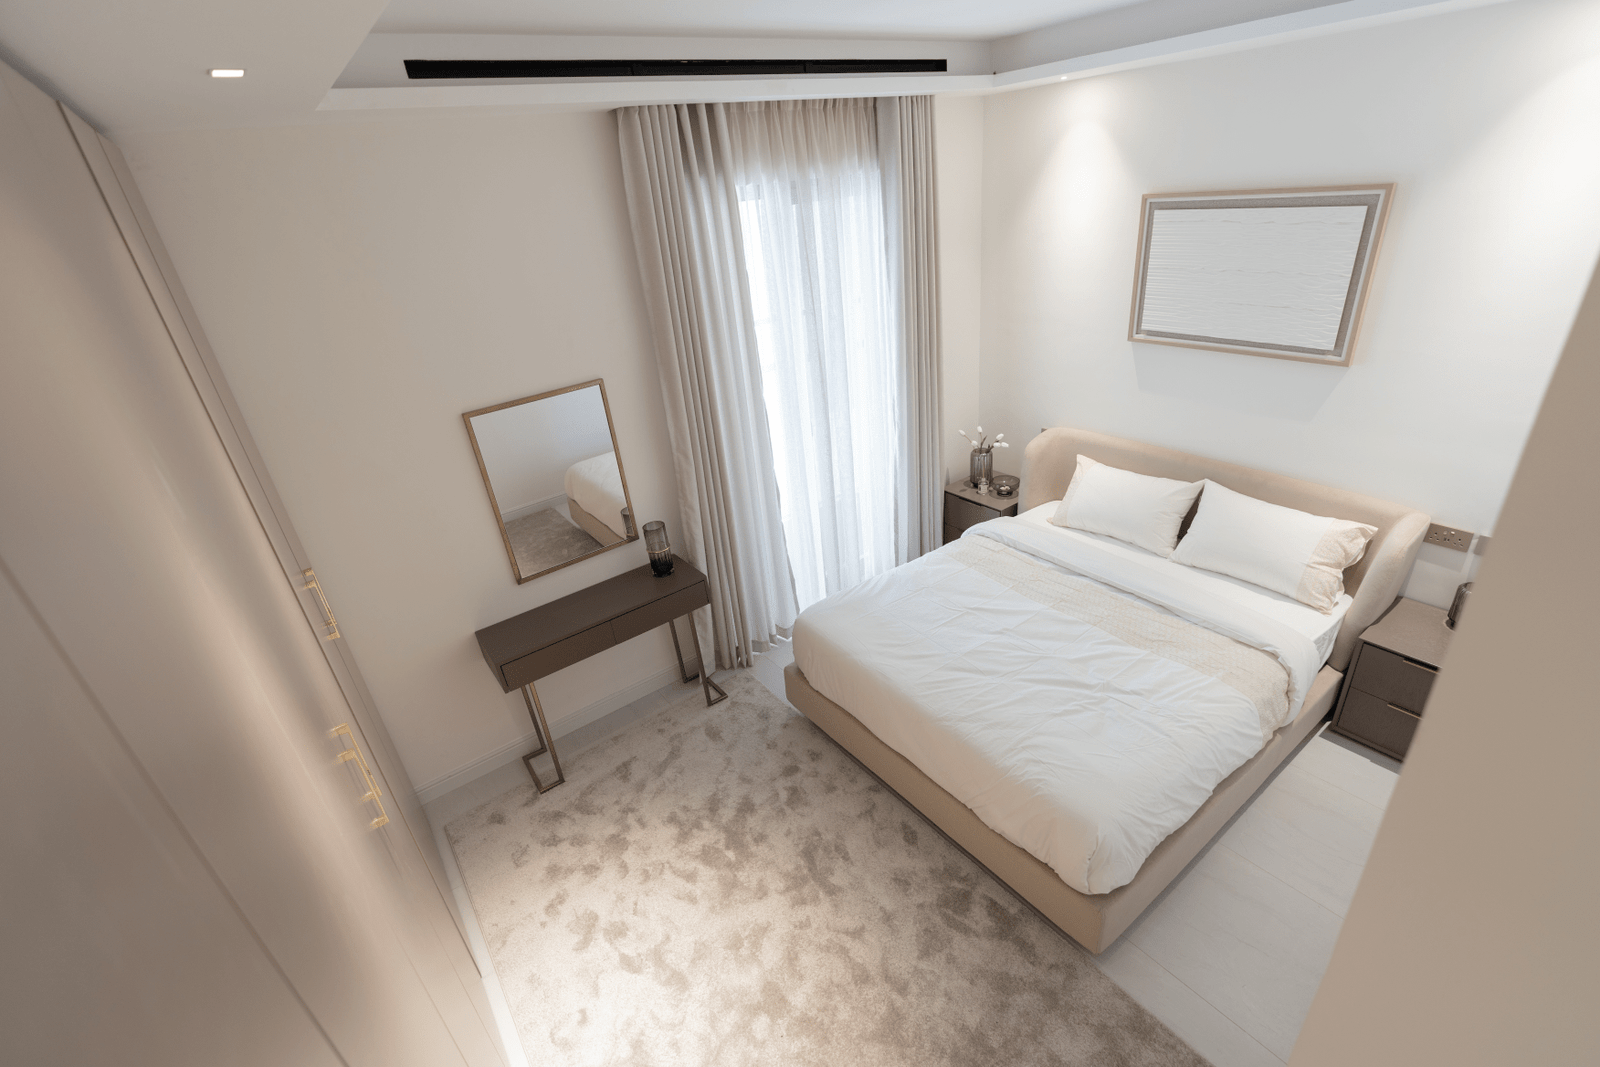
1136,508
1288,551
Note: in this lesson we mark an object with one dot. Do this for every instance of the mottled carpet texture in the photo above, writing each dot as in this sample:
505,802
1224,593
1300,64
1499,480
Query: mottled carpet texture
547,539
725,886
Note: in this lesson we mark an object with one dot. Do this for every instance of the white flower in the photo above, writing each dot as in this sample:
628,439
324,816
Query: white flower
982,444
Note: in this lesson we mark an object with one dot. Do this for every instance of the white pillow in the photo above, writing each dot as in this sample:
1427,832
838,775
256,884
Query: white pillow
1136,508
1288,551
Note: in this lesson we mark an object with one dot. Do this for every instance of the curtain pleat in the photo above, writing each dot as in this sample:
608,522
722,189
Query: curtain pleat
788,252
905,146
685,216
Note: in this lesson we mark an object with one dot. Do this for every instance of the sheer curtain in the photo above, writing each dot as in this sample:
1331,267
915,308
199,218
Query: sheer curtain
685,215
788,253
811,206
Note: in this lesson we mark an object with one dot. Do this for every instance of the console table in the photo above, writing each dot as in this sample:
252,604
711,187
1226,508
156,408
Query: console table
527,647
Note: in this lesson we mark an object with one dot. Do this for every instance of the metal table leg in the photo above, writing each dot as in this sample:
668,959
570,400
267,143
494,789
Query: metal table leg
530,697
683,672
705,675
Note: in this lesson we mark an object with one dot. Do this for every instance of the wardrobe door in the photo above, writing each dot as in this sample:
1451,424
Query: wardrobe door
120,945
127,529
436,941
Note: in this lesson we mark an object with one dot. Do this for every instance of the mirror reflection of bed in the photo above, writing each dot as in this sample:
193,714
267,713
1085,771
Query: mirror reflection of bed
554,478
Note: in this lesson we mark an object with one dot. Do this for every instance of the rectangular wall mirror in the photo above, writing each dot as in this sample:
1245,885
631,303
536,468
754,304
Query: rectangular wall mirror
554,476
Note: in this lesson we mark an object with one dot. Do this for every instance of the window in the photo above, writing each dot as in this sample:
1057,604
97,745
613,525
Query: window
816,260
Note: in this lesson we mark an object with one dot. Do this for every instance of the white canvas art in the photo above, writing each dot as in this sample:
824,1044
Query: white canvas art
1279,274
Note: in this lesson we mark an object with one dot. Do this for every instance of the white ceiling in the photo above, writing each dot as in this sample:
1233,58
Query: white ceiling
130,65
968,19
142,64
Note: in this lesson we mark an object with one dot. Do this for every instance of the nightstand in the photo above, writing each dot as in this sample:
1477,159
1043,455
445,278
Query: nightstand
1391,674
964,506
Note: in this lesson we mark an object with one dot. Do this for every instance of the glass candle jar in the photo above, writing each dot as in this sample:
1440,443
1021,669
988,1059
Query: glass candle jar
658,547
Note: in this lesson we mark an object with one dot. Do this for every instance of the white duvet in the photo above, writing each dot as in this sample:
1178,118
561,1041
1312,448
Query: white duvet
595,485
1082,697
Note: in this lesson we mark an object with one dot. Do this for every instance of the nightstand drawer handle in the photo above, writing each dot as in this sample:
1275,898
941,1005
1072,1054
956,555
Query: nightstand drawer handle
1403,711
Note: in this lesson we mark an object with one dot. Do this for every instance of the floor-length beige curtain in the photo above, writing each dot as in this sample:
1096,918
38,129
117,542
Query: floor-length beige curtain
685,215
905,153
788,251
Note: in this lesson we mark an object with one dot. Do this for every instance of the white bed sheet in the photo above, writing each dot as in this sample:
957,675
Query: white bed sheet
595,485
1069,742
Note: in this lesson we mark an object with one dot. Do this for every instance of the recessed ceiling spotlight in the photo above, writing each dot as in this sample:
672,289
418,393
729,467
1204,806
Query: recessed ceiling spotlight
227,72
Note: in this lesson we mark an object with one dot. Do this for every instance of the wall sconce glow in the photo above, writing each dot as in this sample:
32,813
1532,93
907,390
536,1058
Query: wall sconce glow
227,72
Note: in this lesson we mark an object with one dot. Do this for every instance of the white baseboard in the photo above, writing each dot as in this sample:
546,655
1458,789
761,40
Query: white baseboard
537,505
512,751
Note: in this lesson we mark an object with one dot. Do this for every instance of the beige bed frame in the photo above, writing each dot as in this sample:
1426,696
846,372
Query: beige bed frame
592,526
1095,921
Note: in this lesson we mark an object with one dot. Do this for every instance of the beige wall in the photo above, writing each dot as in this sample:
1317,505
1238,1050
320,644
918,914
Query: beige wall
1483,118
1472,938
363,285
366,282
958,134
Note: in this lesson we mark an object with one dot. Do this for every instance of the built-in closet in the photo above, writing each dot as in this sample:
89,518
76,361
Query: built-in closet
194,867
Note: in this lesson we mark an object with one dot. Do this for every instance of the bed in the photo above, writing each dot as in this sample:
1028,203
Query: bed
595,497
996,683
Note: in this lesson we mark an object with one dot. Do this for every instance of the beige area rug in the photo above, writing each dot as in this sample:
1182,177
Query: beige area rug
720,886
547,539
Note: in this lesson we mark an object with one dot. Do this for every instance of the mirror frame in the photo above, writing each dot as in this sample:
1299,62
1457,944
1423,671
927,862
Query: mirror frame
494,504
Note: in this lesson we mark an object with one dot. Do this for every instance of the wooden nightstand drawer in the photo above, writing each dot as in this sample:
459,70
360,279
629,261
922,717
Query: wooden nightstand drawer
961,513
1393,679
1377,723
951,534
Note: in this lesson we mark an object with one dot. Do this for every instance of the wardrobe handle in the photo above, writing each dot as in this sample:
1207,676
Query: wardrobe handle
316,587
354,753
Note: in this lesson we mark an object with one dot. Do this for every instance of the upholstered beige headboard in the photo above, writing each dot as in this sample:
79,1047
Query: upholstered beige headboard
1374,581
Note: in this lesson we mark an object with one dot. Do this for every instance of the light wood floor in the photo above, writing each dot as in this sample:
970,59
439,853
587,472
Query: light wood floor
1231,955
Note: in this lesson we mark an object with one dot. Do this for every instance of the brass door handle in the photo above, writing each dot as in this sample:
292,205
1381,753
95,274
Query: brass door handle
316,587
374,794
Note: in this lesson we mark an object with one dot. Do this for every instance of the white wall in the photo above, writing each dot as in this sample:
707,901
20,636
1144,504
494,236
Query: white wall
528,448
1485,119
363,285
958,162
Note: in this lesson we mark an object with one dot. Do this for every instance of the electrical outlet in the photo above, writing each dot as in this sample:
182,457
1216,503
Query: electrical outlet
1449,537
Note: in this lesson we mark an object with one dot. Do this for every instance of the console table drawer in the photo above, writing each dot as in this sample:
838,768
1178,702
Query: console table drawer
644,619
564,653
1377,723
1394,678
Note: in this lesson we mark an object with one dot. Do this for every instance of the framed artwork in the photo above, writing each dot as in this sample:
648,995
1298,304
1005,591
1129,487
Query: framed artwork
1272,272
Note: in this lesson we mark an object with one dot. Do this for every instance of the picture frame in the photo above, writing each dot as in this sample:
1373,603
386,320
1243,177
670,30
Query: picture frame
1282,273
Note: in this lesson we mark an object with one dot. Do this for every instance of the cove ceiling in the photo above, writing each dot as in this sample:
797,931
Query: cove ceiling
142,65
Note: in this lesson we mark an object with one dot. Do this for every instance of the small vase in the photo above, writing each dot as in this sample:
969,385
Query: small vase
982,467
658,547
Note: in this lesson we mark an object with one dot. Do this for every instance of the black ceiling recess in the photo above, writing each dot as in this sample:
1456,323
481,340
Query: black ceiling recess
660,68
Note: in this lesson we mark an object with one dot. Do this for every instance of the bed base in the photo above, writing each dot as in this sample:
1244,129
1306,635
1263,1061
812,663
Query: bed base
1094,921
592,526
